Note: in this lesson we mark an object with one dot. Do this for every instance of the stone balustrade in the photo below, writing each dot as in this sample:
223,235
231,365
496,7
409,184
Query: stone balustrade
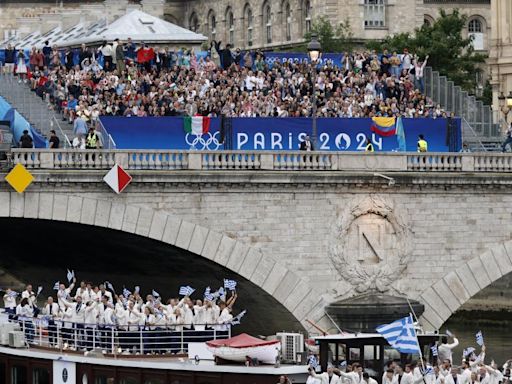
262,160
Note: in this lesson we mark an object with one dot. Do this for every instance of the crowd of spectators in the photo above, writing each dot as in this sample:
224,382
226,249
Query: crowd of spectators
122,80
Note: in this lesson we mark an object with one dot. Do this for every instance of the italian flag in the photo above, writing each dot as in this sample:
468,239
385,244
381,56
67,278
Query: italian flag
197,125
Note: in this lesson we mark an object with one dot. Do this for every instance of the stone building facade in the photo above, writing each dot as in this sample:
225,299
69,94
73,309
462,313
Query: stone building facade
252,23
500,59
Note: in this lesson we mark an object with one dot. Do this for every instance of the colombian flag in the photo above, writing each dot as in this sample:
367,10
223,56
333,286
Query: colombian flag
384,126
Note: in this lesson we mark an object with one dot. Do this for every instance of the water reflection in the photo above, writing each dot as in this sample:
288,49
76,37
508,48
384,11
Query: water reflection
497,337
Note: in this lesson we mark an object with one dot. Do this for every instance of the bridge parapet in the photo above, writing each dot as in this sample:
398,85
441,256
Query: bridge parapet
262,160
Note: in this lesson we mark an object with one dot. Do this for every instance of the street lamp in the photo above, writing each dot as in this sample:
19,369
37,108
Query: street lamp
314,52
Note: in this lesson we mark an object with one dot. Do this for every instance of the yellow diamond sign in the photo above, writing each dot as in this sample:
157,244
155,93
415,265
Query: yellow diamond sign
19,178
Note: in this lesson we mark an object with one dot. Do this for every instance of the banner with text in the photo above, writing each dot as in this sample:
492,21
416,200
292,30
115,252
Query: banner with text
334,134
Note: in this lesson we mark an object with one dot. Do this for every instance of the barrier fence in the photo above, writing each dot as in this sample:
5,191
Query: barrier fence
261,160
111,339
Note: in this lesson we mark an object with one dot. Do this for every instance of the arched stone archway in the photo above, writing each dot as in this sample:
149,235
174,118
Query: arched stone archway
248,261
448,294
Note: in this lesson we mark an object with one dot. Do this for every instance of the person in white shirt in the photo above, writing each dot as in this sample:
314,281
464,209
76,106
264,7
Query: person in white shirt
51,310
25,313
30,295
312,379
133,317
407,377
368,379
64,293
10,302
355,376
90,324
454,377
148,327
78,319
423,373
199,316
328,377
445,349
389,377
103,292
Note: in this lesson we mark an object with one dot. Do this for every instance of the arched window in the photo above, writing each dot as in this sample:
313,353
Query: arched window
212,25
267,22
193,22
428,20
288,20
230,26
248,25
306,12
476,32
475,26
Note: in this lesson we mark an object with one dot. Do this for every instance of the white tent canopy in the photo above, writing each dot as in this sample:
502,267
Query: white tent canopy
138,25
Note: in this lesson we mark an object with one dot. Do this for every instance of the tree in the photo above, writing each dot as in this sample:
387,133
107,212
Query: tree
449,52
332,39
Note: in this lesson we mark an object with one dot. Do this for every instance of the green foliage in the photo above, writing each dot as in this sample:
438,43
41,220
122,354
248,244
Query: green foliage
332,39
449,52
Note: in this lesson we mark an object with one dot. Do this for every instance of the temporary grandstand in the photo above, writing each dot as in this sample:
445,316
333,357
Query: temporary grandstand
137,25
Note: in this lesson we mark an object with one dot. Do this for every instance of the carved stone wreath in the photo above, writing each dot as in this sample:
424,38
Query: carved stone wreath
374,277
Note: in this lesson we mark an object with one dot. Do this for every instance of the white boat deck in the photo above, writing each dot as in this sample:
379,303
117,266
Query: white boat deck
171,363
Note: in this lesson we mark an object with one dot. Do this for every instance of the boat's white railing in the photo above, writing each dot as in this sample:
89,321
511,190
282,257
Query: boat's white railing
262,160
111,339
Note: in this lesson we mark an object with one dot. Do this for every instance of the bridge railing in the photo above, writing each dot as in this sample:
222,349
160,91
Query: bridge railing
262,160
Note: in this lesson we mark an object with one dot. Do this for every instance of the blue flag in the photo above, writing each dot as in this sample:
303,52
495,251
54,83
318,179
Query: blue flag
401,335
400,135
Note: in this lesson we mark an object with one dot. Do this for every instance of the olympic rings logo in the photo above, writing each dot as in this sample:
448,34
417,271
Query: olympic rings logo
210,143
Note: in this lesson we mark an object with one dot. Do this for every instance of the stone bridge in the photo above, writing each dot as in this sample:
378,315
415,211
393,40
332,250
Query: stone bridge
308,229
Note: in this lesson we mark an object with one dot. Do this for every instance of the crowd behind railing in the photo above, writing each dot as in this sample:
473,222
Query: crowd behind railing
94,316
121,79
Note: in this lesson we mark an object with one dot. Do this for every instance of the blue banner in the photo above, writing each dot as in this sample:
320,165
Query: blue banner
333,59
334,134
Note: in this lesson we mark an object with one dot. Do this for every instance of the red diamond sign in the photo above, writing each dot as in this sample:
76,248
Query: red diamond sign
117,179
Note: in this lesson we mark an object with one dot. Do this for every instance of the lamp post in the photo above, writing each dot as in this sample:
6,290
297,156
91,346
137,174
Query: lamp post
505,106
314,52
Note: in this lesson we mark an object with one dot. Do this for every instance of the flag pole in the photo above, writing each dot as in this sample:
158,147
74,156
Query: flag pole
419,349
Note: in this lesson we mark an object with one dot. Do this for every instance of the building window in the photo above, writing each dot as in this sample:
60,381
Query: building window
267,21
230,26
193,22
476,33
212,25
374,14
475,26
307,16
248,25
288,21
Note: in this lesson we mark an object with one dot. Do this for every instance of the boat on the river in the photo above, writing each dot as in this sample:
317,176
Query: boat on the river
243,347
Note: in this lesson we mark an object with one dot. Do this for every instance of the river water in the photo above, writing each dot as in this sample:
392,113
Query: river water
497,337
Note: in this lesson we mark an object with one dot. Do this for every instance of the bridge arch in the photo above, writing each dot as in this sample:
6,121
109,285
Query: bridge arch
449,293
287,287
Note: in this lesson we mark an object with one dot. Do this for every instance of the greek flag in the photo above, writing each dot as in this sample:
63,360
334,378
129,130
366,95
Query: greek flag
56,286
208,295
126,293
401,335
230,284
70,275
186,290
479,338
39,290
109,285
237,318
12,294
137,289
155,293
467,352
434,350
313,361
